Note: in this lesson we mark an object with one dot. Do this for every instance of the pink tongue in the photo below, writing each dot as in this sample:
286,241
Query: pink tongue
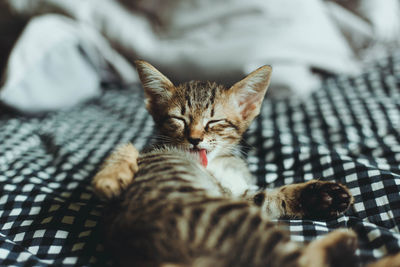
203,157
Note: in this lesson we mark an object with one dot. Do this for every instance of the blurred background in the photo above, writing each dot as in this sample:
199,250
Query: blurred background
55,54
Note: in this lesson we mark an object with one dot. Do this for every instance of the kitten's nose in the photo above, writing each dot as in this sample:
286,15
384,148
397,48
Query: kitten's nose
194,141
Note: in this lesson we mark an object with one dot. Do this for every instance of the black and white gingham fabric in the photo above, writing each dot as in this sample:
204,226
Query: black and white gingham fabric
348,131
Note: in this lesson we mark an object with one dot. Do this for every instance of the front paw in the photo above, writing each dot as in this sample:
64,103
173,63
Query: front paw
323,200
117,173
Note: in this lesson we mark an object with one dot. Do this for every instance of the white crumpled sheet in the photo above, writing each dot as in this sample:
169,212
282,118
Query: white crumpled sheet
55,64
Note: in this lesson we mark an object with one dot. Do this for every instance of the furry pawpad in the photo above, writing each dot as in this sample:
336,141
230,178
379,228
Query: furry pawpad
324,200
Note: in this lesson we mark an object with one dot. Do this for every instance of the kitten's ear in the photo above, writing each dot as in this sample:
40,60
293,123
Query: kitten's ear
249,93
156,86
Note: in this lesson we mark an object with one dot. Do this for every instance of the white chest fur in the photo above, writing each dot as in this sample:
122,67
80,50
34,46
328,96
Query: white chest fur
232,173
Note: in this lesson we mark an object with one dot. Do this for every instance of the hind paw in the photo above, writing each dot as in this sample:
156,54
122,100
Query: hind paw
322,200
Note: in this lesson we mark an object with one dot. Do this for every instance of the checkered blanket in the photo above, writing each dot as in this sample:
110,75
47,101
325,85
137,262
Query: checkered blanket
348,131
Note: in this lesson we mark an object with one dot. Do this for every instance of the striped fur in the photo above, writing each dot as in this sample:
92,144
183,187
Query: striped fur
209,112
217,117
175,214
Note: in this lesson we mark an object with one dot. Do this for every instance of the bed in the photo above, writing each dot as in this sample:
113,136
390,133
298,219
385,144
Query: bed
347,131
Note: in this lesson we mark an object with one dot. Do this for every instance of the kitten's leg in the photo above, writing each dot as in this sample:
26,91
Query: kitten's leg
117,172
335,249
314,199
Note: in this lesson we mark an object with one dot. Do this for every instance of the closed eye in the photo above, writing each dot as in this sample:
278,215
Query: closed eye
179,120
212,123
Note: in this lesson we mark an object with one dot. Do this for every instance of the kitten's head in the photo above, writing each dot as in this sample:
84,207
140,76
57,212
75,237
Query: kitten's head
203,115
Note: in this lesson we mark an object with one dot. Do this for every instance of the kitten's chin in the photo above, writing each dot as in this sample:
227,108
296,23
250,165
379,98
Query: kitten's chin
209,154
202,155
198,151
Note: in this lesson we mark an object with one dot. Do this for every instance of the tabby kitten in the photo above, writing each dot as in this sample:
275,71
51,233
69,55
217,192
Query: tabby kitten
189,202
209,120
